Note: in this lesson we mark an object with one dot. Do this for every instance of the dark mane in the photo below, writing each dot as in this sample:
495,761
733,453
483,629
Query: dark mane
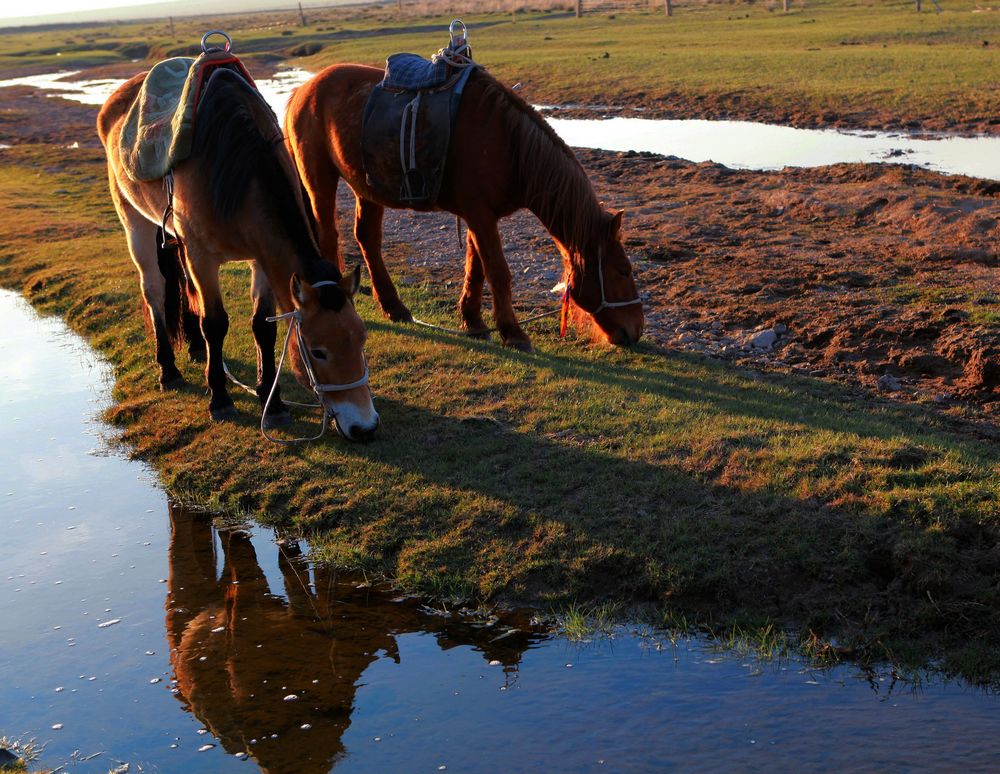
242,148
559,191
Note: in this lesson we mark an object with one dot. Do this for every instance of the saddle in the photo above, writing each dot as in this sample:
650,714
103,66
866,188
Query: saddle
159,127
408,122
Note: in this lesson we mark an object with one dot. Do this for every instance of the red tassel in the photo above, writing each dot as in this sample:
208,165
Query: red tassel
564,314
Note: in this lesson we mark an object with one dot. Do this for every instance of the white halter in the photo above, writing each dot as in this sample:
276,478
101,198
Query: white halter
605,304
295,324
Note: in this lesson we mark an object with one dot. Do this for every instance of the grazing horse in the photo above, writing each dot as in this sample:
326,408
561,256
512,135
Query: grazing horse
238,197
502,157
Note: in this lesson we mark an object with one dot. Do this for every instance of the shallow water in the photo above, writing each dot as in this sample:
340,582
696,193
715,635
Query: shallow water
736,144
152,637
746,145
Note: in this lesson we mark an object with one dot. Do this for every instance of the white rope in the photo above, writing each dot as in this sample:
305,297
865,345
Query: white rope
295,324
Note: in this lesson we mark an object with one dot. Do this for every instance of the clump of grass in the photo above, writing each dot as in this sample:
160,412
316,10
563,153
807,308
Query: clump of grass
583,622
761,641
27,751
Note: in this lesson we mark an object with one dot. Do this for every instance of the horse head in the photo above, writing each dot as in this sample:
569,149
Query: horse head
600,282
328,351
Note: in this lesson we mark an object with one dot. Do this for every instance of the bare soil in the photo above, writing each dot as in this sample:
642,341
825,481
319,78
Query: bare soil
861,271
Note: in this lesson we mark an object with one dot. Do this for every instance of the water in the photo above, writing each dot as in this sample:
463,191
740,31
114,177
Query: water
746,145
736,144
207,631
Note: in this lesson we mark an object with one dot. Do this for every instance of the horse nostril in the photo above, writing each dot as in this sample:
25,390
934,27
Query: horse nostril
359,433
622,337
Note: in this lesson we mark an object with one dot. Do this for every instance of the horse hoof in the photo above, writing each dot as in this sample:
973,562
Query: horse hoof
173,383
478,333
520,345
223,414
402,314
281,419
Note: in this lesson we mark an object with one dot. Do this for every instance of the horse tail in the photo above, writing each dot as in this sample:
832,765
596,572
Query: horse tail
175,294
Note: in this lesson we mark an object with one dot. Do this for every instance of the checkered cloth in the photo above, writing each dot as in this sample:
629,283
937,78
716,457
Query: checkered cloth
412,72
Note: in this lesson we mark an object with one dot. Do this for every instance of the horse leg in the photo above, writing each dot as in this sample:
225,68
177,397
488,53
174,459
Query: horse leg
486,239
141,236
214,326
265,335
319,179
368,232
470,305
189,319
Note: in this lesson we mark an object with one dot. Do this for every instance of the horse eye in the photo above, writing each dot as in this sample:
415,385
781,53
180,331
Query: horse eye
318,354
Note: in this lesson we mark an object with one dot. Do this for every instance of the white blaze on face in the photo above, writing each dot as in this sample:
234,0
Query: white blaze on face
357,414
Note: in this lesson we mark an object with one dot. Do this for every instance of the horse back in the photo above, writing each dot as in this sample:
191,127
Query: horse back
116,107
324,123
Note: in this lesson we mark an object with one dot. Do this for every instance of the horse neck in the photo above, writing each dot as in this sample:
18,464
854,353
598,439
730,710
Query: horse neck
284,246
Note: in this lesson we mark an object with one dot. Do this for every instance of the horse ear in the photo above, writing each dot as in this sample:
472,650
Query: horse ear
300,291
616,224
351,283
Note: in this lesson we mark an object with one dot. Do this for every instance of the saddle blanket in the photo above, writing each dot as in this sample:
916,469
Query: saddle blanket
159,127
407,128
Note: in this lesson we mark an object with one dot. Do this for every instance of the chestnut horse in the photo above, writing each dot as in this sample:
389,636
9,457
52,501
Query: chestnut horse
238,197
503,157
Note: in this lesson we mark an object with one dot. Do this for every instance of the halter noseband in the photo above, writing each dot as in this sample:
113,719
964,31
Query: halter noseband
605,304
295,323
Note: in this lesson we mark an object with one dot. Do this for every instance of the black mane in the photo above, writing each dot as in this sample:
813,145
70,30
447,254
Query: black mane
241,151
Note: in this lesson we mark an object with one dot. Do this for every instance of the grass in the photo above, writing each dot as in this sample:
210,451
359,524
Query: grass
575,475
864,62
27,751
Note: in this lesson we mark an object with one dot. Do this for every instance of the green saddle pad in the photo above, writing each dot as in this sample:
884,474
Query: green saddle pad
159,127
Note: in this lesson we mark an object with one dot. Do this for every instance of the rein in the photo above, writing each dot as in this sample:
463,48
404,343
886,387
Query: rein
295,324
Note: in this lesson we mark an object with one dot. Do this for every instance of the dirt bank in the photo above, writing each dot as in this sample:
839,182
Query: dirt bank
860,272
863,272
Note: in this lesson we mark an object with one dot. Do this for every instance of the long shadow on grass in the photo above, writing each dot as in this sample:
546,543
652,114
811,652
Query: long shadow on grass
537,516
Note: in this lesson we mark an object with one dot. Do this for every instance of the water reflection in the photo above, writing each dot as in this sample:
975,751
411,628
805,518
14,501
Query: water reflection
273,672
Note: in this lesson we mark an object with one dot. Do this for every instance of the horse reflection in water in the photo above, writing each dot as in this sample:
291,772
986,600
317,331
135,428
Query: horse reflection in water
238,647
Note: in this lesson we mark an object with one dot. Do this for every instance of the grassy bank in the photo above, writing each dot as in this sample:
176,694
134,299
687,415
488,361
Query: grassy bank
575,474
832,62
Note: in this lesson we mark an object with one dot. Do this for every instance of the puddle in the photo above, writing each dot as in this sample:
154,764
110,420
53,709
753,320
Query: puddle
276,90
746,145
736,144
143,633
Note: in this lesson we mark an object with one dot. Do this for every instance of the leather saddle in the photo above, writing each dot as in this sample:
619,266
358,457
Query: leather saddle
407,128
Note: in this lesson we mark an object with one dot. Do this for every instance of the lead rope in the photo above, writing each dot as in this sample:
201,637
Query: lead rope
292,323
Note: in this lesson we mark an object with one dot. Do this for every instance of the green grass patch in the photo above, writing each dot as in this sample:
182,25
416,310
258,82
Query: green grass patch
576,475
866,63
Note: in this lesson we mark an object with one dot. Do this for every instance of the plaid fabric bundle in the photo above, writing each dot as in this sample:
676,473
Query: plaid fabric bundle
411,72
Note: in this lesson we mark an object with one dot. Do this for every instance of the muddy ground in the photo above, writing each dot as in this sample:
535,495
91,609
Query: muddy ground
882,277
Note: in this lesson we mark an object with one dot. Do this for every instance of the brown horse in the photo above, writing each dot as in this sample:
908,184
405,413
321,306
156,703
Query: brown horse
238,197
503,157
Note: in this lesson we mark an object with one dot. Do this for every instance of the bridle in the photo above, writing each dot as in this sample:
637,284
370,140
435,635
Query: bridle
295,324
605,304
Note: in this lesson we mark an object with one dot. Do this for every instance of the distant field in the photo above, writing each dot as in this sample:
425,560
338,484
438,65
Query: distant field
833,62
